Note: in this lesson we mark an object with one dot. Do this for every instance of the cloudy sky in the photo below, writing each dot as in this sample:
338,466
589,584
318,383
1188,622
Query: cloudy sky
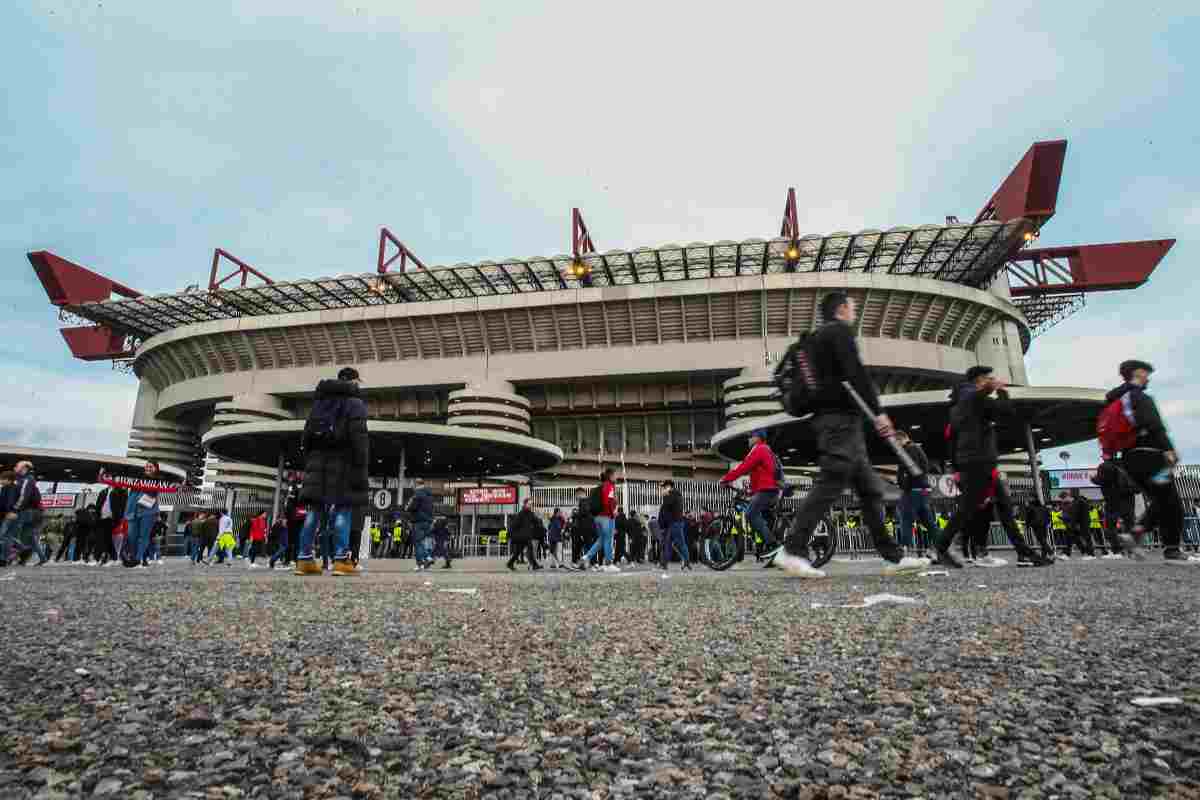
140,135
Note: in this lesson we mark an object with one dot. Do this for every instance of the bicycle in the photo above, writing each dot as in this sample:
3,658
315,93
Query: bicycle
724,540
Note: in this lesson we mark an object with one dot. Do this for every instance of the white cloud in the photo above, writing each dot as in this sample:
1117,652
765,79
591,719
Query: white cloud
47,409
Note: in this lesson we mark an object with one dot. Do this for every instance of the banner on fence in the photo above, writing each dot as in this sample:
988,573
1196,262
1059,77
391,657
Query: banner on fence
58,500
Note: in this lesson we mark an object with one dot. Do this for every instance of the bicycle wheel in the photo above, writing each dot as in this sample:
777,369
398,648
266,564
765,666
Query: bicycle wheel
724,545
823,543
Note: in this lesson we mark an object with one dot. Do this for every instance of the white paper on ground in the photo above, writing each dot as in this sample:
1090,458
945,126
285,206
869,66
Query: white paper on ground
1156,701
874,600
471,591
933,573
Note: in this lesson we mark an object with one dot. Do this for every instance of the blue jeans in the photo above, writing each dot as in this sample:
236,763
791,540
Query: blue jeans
333,521
604,538
8,528
1192,531
754,514
914,507
139,534
30,522
422,542
674,538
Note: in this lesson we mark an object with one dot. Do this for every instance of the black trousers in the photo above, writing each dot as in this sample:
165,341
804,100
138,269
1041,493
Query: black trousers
638,547
976,482
1081,537
843,461
520,546
975,537
1118,506
102,549
1165,509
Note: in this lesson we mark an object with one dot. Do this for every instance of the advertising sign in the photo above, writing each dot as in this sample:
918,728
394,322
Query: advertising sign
488,495
382,499
1071,478
58,500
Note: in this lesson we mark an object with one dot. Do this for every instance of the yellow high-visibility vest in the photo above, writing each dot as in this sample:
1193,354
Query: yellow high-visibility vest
1056,521
504,536
1094,517
942,522
376,535
397,533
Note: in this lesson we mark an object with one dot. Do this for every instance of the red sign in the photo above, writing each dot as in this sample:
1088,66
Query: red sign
58,500
488,496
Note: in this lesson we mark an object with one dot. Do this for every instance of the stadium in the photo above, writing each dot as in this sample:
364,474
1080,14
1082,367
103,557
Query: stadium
656,360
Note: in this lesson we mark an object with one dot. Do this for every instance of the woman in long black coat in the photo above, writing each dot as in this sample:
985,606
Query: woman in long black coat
335,468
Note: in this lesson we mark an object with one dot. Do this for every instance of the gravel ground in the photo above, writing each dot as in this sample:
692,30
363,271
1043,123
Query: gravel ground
225,683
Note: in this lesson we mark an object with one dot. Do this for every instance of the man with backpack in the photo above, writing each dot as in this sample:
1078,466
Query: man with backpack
826,359
766,481
972,435
336,454
1131,428
602,503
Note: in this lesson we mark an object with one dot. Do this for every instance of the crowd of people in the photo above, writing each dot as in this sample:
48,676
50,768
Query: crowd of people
317,534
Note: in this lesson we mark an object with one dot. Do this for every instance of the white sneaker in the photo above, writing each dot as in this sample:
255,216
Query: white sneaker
253,566
903,565
1087,558
1065,557
611,568
1112,556
991,561
795,565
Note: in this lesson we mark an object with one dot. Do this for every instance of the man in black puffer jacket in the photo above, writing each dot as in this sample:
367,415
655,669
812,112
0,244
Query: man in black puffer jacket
336,455
973,419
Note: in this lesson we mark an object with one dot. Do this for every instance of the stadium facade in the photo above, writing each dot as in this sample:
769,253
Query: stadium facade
642,358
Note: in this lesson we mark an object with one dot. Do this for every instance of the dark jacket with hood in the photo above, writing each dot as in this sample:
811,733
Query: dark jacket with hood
1142,412
836,359
421,506
525,527
973,420
671,510
338,475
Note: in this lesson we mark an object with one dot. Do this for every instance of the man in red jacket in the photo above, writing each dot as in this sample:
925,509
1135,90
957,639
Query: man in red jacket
761,465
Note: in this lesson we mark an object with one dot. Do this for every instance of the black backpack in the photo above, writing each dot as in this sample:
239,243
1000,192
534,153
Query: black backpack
326,425
596,500
796,377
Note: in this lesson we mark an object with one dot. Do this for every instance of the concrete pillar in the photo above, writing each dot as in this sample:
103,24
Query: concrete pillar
278,490
1031,447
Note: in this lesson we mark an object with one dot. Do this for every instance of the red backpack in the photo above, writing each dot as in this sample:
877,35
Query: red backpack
1114,430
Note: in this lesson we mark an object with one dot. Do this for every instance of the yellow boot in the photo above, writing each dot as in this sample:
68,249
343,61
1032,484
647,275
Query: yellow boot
343,567
307,566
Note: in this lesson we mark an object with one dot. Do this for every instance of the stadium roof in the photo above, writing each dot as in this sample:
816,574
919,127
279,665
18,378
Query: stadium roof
968,253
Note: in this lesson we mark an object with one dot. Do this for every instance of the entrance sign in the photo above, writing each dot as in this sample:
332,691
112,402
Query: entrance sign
488,496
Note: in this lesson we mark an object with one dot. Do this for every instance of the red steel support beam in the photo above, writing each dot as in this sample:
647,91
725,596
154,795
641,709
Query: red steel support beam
790,229
243,269
1031,189
581,240
95,343
403,253
68,284
1084,268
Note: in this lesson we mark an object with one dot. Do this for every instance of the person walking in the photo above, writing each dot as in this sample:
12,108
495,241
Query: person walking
73,533
421,508
973,417
843,459
913,508
672,526
526,529
603,505
766,477
1148,456
258,539
1037,522
8,519
280,531
582,525
27,510
441,542
337,453
554,539
621,530
637,537
1078,518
